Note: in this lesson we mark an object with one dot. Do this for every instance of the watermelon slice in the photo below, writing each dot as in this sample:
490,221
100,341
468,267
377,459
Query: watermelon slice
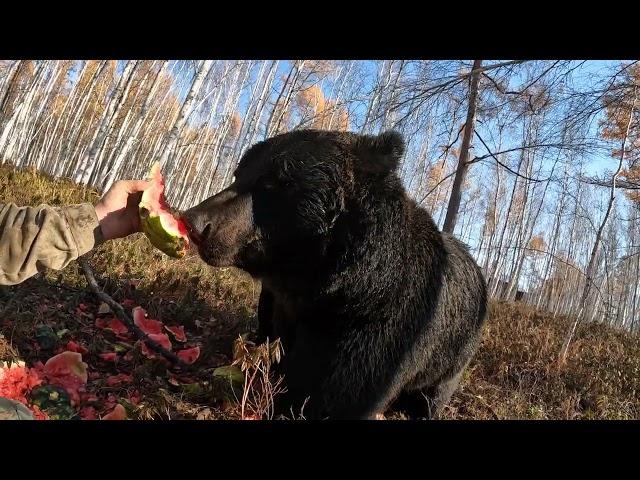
178,332
161,339
147,325
166,232
114,324
189,355
67,370
67,364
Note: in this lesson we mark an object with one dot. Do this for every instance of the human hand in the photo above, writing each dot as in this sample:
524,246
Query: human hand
117,210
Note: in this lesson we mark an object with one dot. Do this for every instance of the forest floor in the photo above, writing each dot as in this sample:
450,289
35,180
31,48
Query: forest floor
514,375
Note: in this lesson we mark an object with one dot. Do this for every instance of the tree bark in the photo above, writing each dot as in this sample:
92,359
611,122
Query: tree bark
461,171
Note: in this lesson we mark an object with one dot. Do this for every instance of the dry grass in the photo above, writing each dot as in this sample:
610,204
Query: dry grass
260,386
514,375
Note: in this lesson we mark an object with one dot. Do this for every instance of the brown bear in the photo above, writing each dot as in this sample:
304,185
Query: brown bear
372,303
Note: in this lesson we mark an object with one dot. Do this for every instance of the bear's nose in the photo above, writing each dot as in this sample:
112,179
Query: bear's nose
198,225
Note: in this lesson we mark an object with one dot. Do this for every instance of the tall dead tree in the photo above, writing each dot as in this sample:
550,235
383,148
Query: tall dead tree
461,170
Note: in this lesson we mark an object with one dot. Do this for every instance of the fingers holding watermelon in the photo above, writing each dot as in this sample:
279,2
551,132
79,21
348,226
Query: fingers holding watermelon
117,210
166,232
139,206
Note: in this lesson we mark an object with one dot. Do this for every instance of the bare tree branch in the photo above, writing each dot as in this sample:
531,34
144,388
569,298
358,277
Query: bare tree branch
601,182
122,315
506,167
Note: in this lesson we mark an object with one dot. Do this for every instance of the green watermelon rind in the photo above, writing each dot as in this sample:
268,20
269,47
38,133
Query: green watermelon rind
152,227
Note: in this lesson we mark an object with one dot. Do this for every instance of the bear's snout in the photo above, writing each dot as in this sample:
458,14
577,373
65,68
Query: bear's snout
201,219
198,225
220,226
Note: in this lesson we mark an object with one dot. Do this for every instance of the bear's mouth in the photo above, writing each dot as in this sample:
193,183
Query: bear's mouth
194,235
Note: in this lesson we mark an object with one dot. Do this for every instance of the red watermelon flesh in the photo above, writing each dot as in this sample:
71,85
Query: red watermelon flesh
189,355
147,325
166,232
177,332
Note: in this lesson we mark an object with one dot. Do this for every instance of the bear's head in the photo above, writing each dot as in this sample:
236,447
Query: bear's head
288,194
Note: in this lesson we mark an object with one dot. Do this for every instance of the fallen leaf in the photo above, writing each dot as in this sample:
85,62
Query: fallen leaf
162,339
121,347
62,333
83,312
116,326
103,309
230,372
192,389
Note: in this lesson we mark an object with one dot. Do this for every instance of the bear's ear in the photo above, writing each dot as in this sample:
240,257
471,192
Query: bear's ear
381,153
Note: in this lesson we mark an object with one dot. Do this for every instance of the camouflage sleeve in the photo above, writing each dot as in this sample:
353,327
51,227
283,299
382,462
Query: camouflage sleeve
35,238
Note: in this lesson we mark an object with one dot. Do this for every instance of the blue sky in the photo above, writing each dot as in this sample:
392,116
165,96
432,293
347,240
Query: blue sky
592,68
596,164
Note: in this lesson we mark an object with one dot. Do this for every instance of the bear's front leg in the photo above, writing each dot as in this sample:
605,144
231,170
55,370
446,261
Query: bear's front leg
265,316
351,378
